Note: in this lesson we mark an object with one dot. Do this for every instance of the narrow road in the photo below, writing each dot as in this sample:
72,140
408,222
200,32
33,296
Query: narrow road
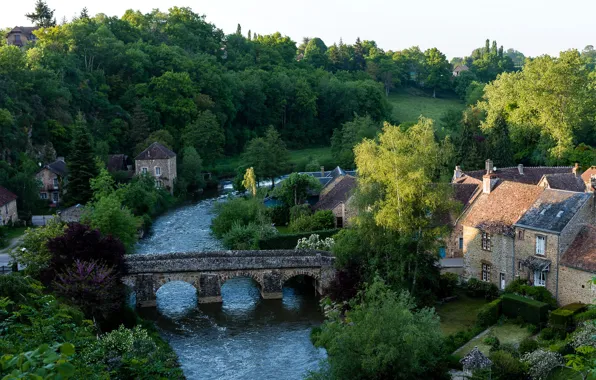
4,257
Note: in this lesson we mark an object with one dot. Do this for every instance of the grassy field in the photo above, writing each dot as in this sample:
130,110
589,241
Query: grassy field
226,167
408,105
459,315
507,333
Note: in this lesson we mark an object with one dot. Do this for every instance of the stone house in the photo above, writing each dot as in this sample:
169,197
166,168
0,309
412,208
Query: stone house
336,196
578,268
52,178
589,178
8,207
21,35
564,181
160,163
546,231
459,69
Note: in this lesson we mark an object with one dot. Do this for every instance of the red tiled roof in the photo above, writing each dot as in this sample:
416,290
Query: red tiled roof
588,174
498,211
532,174
6,196
581,254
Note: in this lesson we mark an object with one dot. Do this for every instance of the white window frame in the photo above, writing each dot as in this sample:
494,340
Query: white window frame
541,245
43,195
486,241
539,278
157,168
55,197
144,170
55,182
486,272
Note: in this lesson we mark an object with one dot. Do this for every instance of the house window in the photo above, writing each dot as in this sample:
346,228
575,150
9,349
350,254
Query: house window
55,182
17,38
159,183
55,197
461,243
520,234
157,171
339,222
486,241
539,278
43,195
485,272
540,245
143,170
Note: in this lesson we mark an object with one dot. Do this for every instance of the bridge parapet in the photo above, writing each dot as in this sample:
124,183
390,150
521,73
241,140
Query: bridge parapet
207,271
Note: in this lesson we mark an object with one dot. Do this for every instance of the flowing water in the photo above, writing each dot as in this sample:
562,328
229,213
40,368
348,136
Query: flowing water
244,337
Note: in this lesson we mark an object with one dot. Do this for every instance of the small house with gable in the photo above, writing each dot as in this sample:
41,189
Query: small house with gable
8,207
52,178
160,163
21,35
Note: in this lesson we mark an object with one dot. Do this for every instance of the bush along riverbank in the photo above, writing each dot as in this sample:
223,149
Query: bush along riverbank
65,315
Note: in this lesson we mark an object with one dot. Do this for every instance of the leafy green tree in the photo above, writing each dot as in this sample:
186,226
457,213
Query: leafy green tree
437,70
81,165
267,155
191,169
206,135
294,190
315,53
351,134
109,216
383,331
42,15
33,252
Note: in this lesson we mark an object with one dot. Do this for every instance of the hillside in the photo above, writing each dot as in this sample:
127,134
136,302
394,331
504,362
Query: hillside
409,104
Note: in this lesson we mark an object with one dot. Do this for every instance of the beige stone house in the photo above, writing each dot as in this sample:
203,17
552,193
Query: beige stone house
52,178
578,268
21,35
336,196
460,69
160,163
589,178
8,207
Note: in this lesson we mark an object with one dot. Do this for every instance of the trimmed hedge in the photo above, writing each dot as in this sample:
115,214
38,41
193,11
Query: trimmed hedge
562,318
585,316
289,241
476,288
530,310
489,314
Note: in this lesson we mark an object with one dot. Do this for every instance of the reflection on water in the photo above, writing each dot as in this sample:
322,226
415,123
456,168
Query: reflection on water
245,337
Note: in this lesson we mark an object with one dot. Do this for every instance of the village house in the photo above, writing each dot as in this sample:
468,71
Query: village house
460,69
53,177
532,223
160,163
336,196
589,178
21,35
8,207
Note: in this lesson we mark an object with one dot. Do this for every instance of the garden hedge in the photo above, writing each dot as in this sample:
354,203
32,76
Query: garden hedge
289,241
530,310
562,318
489,314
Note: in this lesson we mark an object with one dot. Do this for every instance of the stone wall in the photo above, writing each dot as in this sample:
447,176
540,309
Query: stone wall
575,286
8,213
168,170
500,256
207,271
46,177
526,247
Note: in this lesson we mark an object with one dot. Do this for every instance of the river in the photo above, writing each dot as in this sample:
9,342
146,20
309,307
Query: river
244,337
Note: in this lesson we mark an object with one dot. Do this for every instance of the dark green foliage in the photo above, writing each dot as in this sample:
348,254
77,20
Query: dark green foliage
294,190
530,310
320,220
476,288
453,362
289,241
585,316
349,135
538,293
43,15
241,211
562,318
299,211
506,366
527,345
81,165
280,215
489,314
492,341
448,283
550,333
454,341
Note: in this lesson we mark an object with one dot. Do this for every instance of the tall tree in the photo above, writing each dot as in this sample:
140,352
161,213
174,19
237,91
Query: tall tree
267,155
191,169
42,15
437,70
206,135
81,165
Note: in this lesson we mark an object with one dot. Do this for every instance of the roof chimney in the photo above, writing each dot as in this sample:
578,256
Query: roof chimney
575,169
322,171
457,173
520,168
488,182
489,166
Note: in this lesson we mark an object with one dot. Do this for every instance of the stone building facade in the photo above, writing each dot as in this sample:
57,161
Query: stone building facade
8,207
21,35
337,196
53,180
160,163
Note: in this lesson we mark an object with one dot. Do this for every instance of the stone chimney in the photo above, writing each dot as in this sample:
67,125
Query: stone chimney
489,179
457,173
60,159
575,169
488,166
520,169
322,171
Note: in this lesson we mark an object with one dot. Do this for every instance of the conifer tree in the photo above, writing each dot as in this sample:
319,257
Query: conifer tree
140,125
81,165
42,16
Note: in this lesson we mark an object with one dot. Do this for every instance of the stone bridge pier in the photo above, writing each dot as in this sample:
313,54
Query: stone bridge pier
208,271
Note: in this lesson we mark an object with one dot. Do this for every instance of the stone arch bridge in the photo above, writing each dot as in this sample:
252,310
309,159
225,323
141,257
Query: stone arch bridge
207,271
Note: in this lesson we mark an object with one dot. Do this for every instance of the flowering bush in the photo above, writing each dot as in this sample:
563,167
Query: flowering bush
541,363
585,335
314,242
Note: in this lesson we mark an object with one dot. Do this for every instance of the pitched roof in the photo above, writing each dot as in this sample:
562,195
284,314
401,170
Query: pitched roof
339,193
588,174
531,174
463,192
565,181
461,68
23,29
59,167
581,254
553,209
117,162
498,211
155,151
6,196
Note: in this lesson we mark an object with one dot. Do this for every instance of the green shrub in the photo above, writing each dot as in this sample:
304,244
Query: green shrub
454,341
585,316
279,215
530,310
538,293
549,334
239,210
320,220
453,362
300,211
561,347
242,237
492,341
562,318
489,314
484,289
532,328
289,241
448,283
527,345
506,366
508,347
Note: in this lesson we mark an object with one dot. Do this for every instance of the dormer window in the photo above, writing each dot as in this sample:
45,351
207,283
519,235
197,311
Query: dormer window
486,241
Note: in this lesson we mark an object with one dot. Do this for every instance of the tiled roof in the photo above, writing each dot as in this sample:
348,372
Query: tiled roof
155,151
6,196
588,174
565,181
498,211
23,29
531,175
461,68
581,254
59,167
339,193
463,192
553,209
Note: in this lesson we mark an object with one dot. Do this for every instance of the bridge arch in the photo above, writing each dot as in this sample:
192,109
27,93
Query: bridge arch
223,277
